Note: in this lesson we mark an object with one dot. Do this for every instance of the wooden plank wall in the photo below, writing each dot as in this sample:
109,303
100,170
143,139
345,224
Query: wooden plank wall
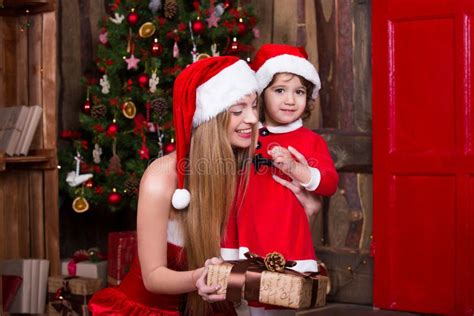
77,45
28,197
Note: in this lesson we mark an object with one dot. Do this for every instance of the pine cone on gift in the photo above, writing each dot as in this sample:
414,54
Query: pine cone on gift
275,262
98,111
131,187
160,106
170,8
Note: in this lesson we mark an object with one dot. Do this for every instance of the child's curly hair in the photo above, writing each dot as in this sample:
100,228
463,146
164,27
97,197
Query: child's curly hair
309,89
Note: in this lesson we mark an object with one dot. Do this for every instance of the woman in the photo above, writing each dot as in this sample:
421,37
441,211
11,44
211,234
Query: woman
185,197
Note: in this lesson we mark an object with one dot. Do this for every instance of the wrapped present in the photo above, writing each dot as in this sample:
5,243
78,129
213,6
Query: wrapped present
122,249
69,295
86,269
30,296
268,281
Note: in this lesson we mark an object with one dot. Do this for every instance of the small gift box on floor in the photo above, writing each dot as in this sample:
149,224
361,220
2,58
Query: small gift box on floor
122,249
89,263
70,295
252,280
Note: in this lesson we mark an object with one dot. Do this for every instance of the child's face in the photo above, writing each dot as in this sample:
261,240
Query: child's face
284,100
243,116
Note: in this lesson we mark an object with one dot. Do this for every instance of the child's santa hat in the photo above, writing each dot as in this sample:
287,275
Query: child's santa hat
276,58
202,91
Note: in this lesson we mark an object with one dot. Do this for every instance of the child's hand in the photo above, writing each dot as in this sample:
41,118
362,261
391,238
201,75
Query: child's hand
297,169
209,293
282,159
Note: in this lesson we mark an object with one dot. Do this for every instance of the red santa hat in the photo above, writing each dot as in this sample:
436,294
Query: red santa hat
202,91
276,58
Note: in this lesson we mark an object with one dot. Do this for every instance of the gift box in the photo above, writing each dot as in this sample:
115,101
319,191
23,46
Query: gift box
251,280
86,269
30,296
122,249
69,295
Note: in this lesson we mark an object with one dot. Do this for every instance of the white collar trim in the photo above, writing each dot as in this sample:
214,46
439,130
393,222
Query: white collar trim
285,128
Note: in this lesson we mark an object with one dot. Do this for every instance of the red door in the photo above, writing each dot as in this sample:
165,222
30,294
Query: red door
423,155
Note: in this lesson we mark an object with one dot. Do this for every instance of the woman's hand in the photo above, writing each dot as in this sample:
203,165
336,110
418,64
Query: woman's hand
209,293
311,203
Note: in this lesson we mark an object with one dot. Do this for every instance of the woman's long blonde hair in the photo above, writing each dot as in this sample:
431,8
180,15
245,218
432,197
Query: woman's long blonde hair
216,173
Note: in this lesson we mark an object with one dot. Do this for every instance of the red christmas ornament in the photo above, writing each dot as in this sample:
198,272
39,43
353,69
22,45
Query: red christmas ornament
198,27
132,17
156,48
144,152
234,47
114,198
99,190
86,107
170,147
129,84
241,27
112,130
89,183
143,80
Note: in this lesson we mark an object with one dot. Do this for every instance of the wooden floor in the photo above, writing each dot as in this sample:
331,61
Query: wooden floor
338,309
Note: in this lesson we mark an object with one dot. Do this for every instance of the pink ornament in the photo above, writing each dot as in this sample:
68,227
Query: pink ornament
212,20
103,38
175,50
132,62
256,32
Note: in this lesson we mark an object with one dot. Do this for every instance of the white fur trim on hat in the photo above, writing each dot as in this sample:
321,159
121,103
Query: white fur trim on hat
224,89
287,63
180,199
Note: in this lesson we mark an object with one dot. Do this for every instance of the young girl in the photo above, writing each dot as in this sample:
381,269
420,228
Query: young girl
185,197
271,218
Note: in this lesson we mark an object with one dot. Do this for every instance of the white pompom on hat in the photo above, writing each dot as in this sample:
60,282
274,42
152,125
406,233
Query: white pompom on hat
278,58
202,91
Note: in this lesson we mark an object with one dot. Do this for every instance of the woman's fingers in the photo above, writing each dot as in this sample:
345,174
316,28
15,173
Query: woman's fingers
301,159
296,189
208,292
213,260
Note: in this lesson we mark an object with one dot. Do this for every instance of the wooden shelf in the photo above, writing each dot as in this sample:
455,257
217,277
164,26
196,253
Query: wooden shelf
20,7
29,184
44,159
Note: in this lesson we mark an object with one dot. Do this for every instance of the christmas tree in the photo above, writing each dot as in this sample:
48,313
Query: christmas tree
126,116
